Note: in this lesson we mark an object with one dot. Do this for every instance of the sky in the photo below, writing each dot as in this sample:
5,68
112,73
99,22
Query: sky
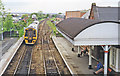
54,6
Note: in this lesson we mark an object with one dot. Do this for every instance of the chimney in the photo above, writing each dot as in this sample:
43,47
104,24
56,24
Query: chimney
93,4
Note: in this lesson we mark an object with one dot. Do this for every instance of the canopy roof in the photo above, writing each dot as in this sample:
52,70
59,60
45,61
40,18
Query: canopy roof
72,26
90,32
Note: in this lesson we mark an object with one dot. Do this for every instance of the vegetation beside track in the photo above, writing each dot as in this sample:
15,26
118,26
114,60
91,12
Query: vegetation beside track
53,27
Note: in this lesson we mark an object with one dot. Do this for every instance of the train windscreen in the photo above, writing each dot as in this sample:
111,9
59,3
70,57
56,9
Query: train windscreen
26,33
34,33
29,33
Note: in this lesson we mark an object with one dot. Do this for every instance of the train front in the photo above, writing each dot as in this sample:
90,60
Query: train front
30,35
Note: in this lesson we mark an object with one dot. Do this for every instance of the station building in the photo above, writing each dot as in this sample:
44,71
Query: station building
106,14
100,33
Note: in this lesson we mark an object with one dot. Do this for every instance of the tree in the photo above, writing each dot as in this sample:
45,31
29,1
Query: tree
23,22
1,7
54,15
47,15
16,26
24,16
8,24
59,13
34,14
2,12
40,15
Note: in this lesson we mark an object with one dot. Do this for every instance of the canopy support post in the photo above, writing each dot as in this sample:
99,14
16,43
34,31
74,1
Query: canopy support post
72,47
79,51
106,48
90,58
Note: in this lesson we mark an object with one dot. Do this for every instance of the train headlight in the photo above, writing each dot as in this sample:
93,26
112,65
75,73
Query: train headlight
26,38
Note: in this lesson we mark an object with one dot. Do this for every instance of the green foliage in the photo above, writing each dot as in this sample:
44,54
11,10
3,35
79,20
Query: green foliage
53,28
35,14
21,32
47,15
41,19
2,10
23,23
8,24
8,21
16,26
59,13
24,16
55,15
41,15
1,6
53,18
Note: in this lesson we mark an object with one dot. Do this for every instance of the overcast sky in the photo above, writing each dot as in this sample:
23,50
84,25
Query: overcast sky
54,6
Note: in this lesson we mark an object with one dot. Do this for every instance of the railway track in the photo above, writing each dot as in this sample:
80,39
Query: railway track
23,66
51,63
42,58
20,65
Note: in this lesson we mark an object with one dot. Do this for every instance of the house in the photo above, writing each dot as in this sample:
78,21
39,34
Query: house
74,14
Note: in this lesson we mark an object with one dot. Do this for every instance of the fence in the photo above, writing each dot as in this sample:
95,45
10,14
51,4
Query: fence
7,34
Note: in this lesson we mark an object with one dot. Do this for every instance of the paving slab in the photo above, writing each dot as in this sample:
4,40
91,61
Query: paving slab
6,44
78,65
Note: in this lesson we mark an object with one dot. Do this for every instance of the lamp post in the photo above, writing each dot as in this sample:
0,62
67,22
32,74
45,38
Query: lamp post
2,27
11,32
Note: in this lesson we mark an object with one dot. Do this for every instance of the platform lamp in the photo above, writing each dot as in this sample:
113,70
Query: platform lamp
2,26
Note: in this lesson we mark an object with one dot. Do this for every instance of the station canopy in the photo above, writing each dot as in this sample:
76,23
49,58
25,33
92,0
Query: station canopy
81,31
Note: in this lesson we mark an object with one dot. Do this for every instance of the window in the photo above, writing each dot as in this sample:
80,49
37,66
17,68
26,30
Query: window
119,60
34,33
26,33
114,57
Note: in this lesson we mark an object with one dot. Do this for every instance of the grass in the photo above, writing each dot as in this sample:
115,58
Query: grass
41,19
53,28
52,18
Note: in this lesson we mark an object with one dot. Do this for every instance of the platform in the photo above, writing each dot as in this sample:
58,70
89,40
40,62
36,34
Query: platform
7,57
7,43
78,65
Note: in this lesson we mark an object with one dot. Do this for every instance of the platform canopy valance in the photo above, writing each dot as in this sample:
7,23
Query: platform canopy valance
81,31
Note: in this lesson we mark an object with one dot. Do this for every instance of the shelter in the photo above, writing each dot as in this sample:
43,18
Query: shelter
91,33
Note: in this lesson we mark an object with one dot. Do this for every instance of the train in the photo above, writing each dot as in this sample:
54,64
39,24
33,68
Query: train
31,33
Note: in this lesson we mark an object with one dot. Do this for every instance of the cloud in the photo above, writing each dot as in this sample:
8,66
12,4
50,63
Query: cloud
54,6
